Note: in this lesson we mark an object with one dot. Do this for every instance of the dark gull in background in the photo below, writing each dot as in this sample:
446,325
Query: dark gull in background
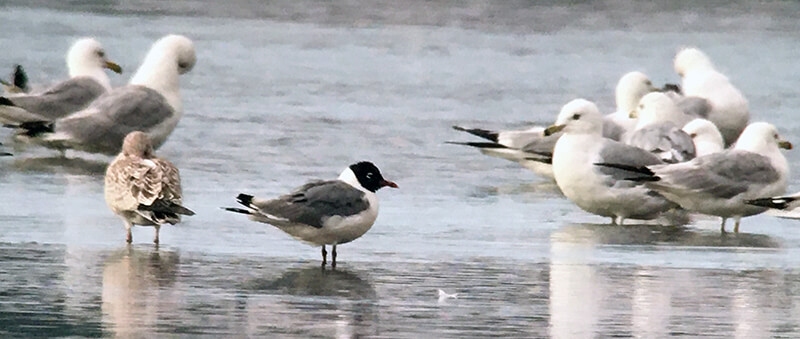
728,107
705,135
323,212
17,83
143,189
595,189
719,184
86,61
151,103
658,129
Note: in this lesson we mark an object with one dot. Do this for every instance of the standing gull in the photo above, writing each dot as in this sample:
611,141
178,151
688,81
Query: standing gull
595,189
720,183
17,83
86,61
658,129
728,107
151,103
143,189
323,212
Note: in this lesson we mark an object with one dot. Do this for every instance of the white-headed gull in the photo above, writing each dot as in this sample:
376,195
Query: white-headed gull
151,103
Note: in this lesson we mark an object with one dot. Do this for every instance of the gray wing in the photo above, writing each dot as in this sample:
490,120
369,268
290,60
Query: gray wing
614,152
314,202
612,130
695,107
723,175
104,124
62,99
665,140
543,146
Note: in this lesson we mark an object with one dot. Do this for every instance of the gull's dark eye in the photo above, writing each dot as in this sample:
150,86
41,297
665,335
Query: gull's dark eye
101,54
777,136
649,83
576,116
641,106
369,175
693,135
183,65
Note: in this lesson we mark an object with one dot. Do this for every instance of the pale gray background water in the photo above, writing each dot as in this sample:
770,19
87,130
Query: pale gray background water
286,92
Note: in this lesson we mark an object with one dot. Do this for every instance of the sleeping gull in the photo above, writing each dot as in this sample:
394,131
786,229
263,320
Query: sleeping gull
705,135
86,61
729,109
631,87
143,189
151,103
658,129
323,212
720,183
595,189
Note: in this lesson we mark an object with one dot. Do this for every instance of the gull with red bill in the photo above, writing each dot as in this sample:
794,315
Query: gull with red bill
320,213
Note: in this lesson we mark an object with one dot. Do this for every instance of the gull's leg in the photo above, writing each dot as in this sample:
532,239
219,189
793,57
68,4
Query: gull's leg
333,256
613,220
155,239
736,225
129,236
621,220
722,228
324,256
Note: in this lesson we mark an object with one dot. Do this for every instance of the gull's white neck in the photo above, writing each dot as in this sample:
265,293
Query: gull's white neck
93,71
350,178
159,72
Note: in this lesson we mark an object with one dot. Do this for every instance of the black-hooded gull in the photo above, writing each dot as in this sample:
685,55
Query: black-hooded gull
323,212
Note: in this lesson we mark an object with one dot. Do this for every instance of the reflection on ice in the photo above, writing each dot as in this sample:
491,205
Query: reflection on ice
137,289
658,235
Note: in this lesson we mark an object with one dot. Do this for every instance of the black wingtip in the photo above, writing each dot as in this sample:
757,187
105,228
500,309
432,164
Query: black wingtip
479,132
6,102
35,128
236,210
244,199
648,175
777,203
476,144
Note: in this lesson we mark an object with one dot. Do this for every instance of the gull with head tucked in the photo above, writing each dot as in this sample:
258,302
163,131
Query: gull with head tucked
658,129
705,135
151,103
142,188
86,61
728,108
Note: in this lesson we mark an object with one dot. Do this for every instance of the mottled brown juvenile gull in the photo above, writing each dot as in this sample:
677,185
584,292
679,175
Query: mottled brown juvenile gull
151,103
323,212
720,183
142,188
86,61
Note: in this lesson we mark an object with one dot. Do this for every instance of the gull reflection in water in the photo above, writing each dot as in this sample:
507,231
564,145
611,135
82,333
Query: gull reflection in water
311,302
137,289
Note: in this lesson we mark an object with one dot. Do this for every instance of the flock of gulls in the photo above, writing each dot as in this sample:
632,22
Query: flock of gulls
665,151
85,113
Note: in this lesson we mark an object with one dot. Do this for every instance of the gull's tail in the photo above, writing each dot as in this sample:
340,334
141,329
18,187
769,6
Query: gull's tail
780,203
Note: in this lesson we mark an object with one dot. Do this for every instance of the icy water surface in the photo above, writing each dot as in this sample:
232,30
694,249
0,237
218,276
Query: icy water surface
286,92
